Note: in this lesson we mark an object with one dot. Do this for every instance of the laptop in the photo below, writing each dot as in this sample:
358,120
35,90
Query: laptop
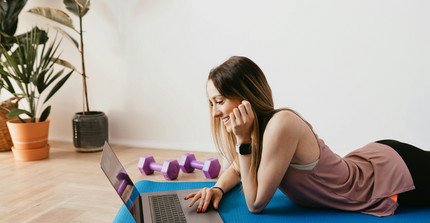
167,206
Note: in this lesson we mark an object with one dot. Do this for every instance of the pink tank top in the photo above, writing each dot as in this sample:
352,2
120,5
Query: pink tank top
361,181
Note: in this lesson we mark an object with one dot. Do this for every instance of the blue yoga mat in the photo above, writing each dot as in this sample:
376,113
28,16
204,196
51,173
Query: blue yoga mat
280,209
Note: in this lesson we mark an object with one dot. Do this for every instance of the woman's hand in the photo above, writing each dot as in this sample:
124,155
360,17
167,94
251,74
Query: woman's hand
242,119
206,196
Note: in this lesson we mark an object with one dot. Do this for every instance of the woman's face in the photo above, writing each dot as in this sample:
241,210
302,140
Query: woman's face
222,107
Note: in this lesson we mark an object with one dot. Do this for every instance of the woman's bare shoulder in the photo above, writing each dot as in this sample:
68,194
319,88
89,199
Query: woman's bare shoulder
285,115
286,120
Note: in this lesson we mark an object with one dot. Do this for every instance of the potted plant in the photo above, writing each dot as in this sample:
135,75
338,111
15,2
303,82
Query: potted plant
90,128
10,11
28,71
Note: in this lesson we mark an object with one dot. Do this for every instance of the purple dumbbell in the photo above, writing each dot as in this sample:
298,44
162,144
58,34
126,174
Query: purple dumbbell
210,167
170,168
123,181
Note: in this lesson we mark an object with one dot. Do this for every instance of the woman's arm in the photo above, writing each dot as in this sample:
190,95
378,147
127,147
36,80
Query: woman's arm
226,182
280,141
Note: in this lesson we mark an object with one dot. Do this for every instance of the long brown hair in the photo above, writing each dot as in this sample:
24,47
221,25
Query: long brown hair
240,78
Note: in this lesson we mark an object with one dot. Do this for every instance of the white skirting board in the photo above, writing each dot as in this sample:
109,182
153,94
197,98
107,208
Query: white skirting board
154,144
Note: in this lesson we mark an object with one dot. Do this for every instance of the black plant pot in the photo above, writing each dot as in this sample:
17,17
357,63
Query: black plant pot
90,131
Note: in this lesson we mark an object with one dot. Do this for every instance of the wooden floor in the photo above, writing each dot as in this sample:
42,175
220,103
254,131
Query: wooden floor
70,186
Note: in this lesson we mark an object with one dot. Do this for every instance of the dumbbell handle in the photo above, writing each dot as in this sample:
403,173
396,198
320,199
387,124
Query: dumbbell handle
156,166
197,164
121,186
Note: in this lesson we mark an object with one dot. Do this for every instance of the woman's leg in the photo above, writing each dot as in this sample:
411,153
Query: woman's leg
418,163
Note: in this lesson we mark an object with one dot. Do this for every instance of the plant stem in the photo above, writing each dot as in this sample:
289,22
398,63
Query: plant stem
84,76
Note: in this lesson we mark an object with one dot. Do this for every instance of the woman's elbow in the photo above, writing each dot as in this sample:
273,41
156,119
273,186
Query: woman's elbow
255,209
258,205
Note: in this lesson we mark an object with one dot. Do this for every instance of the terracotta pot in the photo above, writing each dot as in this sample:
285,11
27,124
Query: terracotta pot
31,154
28,137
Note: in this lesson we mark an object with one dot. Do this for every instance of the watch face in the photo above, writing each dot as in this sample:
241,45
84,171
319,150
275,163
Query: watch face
245,149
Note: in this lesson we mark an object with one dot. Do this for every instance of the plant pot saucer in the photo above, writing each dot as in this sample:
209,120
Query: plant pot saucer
31,154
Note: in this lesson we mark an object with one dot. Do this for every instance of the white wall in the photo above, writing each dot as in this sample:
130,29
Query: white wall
357,70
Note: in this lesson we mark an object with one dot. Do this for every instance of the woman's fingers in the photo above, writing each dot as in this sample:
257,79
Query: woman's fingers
202,201
243,110
242,119
232,119
196,197
237,116
190,195
208,199
243,114
248,109
206,196
216,201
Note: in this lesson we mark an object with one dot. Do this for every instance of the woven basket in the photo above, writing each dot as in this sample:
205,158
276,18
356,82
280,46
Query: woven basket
5,107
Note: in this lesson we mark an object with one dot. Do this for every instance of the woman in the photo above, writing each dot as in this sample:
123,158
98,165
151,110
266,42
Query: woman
275,148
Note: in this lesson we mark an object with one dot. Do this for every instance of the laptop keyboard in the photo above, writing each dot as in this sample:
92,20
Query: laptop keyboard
166,208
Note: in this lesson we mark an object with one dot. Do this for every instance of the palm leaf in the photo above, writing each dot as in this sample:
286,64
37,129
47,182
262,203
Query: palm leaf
46,56
42,36
55,77
6,84
16,112
6,40
40,83
45,114
22,120
11,62
31,68
58,86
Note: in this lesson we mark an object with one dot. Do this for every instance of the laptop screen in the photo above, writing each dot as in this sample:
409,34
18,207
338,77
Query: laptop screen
121,182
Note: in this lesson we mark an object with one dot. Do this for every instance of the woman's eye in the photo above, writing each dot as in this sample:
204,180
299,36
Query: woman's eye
219,102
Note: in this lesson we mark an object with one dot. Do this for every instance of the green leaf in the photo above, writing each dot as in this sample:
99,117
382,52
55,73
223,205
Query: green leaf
22,120
6,84
55,77
40,35
11,63
41,81
76,6
45,114
58,86
16,112
53,14
47,55
65,34
10,11
30,70
7,41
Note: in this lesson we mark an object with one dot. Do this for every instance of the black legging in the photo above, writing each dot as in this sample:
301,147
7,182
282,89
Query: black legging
418,163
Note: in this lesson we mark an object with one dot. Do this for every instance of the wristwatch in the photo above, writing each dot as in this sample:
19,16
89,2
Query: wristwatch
244,149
